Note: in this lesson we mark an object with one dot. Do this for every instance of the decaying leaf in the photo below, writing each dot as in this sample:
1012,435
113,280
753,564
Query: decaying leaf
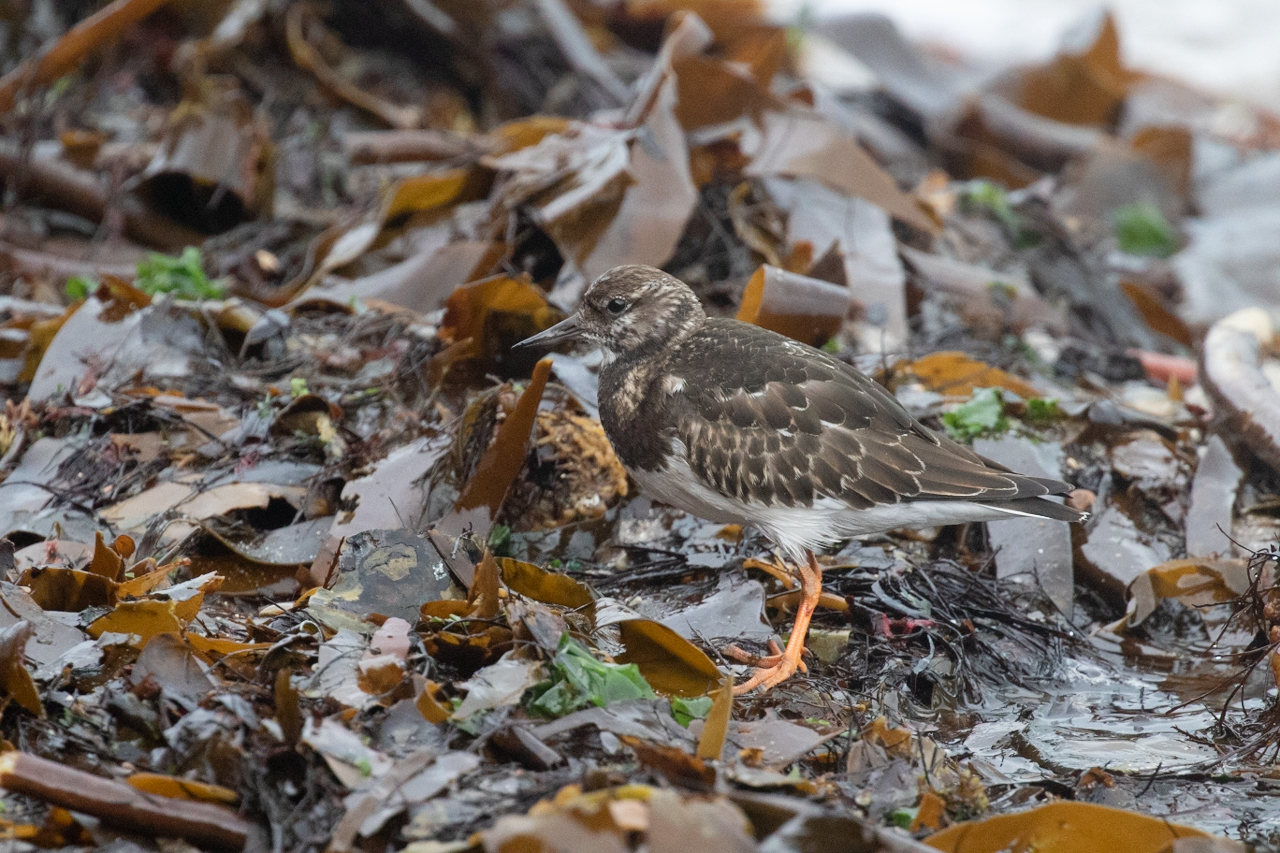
168,611
413,200
482,495
15,679
390,495
1085,83
803,144
1118,549
464,631
989,301
96,331
615,195
955,374
1063,826
678,767
182,789
541,585
1211,504
669,662
431,708
807,309
68,589
213,168
356,764
411,782
1193,582
603,821
500,683
853,241
494,314
140,619
716,728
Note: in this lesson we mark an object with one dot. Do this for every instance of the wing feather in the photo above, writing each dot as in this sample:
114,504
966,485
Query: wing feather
775,422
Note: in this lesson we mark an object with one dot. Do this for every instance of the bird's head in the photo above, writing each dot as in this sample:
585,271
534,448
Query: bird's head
629,309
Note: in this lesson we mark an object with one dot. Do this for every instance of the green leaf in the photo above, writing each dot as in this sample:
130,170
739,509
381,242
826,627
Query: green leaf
183,276
687,710
1141,229
832,346
982,415
903,818
578,679
1041,410
993,199
79,287
500,540
471,724
297,386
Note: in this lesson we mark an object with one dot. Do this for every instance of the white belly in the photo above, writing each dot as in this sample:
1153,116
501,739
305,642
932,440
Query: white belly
797,529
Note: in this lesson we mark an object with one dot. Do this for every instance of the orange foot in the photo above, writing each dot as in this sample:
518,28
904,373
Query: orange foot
734,652
781,665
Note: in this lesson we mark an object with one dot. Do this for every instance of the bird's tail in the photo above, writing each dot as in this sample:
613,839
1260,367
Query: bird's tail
1040,508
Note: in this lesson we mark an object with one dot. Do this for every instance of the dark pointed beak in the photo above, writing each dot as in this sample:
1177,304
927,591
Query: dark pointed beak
567,329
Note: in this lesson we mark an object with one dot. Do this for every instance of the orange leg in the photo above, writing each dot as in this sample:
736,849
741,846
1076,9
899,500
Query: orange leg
778,668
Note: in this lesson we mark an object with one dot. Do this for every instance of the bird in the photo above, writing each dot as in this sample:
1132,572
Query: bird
741,425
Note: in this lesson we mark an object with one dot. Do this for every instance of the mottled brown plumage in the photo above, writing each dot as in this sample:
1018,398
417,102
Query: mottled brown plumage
767,420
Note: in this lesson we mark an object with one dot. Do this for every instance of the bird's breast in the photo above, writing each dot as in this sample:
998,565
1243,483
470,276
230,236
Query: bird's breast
633,416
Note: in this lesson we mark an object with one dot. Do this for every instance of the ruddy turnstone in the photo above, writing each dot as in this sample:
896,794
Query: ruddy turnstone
737,424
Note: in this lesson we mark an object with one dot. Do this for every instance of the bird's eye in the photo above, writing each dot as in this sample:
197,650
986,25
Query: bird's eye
616,305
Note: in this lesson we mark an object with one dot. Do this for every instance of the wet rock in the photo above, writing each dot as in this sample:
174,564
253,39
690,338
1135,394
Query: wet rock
1231,256
389,496
734,609
1152,465
1103,723
1040,547
1213,497
374,570
1117,550
1238,379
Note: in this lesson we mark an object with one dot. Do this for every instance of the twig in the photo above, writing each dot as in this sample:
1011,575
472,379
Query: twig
67,188
123,805
78,42
577,48
364,147
298,21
